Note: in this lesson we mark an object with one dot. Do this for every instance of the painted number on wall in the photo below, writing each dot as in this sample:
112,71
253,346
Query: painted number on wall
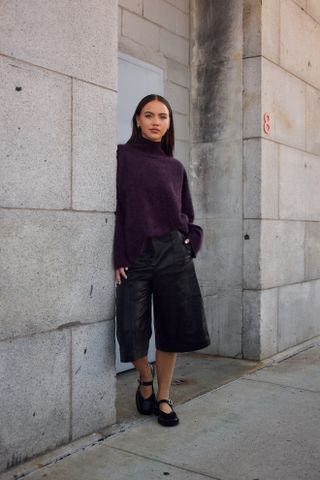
266,123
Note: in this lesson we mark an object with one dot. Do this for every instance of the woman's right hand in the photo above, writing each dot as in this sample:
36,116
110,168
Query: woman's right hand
120,272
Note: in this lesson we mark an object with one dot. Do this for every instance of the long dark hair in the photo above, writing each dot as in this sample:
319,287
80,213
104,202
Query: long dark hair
167,141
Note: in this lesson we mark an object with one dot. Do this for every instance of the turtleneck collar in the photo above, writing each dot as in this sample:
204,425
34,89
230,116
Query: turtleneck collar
148,146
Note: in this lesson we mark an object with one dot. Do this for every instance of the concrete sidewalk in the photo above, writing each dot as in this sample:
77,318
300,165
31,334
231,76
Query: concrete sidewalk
262,426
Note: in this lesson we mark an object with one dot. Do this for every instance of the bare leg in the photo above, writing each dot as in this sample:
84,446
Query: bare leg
165,363
142,365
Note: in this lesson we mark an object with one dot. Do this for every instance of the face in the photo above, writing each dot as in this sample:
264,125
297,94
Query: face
154,120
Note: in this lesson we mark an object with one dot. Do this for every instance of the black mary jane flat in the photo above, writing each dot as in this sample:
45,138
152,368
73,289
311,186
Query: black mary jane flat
166,419
145,406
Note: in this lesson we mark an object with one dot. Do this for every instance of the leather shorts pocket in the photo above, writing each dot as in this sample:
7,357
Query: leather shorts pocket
187,246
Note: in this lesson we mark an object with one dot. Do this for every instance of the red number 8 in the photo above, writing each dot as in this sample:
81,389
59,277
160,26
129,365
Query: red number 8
266,123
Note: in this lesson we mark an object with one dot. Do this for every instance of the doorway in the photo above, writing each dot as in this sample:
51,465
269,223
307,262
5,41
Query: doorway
136,79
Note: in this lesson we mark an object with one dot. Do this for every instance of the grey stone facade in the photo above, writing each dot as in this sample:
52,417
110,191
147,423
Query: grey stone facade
281,175
58,64
256,192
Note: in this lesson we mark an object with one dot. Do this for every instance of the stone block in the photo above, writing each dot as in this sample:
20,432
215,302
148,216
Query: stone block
182,153
182,26
271,260
302,3
260,178
133,5
230,323
287,117
270,29
181,126
35,152
299,35
174,47
177,73
224,317
74,38
225,19
179,98
313,8
251,28
216,102
34,395
251,108
299,178
161,13
57,269
260,312
182,5
219,263
312,250
142,52
312,120
94,148
298,317
93,378
216,179
251,254
165,14
140,30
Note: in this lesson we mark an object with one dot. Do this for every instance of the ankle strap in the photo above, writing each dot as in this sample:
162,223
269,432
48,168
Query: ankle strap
145,384
166,400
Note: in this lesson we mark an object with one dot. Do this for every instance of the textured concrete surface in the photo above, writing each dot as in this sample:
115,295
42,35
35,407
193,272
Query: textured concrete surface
299,178
61,272
263,425
94,148
72,38
298,313
216,164
288,117
312,119
34,395
261,37
214,171
281,181
312,250
35,146
300,33
260,178
260,323
269,259
93,378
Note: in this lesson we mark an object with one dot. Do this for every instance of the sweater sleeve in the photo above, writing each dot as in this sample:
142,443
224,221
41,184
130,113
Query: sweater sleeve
119,244
195,232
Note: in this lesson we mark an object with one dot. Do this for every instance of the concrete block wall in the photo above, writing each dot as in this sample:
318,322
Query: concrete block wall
157,32
216,164
58,63
281,178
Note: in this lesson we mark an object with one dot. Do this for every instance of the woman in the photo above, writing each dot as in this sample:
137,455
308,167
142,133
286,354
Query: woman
155,242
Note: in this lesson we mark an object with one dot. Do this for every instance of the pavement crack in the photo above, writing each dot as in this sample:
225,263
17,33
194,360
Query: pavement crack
196,472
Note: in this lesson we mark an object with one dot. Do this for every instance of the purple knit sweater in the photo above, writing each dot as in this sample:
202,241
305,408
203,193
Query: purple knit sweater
153,198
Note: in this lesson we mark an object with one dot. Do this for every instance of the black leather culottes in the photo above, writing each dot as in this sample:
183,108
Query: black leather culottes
164,273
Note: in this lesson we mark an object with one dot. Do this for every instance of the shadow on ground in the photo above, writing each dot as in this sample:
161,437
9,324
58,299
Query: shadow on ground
195,374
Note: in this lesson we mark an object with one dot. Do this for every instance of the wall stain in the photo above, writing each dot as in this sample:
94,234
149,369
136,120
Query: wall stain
214,51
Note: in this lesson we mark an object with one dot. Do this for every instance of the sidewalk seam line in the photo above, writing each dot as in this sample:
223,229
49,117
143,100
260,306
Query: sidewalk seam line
281,385
164,463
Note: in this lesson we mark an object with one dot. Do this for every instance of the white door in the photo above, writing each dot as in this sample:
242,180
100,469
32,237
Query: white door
136,79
